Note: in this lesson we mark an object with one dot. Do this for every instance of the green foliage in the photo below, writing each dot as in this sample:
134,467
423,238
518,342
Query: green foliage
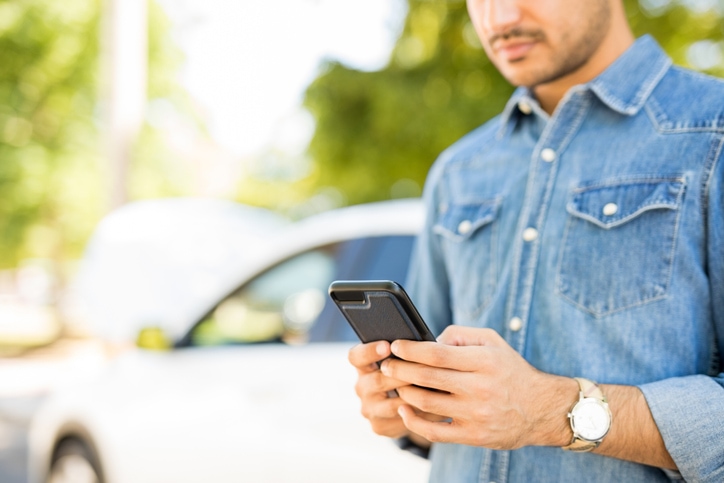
157,169
682,27
52,177
377,128
48,138
374,129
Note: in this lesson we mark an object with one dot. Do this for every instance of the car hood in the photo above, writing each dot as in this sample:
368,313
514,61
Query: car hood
162,263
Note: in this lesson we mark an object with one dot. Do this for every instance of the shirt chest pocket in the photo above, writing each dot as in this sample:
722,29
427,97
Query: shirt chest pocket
618,245
469,239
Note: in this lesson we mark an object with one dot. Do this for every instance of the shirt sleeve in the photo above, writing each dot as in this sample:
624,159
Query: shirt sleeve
689,411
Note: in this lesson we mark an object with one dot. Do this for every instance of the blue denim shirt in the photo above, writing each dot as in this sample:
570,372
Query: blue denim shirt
592,240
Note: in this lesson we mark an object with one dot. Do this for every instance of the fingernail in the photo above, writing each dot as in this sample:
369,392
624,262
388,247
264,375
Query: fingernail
395,345
381,350
383,367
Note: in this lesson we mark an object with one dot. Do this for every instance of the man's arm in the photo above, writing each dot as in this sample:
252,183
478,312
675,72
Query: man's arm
495,398
634,435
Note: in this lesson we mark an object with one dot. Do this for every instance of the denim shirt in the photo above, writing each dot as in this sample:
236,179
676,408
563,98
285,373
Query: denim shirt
592,240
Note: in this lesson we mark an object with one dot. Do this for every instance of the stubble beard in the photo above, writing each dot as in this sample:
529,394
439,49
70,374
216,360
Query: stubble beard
574,53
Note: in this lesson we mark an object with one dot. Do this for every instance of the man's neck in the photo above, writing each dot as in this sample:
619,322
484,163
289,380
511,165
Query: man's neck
618,40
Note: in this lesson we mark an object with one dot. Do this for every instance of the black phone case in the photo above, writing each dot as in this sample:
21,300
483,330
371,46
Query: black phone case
379,310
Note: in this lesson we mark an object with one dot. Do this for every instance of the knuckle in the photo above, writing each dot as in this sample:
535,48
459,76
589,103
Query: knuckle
367,385
432,435
359,388
376,427
480,413
379,426
353,355
423,400
438,357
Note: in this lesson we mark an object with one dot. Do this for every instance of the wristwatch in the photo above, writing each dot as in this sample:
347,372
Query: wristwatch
590,417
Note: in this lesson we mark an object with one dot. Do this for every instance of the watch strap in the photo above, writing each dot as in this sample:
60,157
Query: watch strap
587,388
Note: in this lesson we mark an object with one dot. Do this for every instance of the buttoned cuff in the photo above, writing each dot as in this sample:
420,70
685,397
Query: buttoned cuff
688,412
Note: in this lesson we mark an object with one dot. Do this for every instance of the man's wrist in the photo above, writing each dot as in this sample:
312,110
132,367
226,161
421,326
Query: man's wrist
553,428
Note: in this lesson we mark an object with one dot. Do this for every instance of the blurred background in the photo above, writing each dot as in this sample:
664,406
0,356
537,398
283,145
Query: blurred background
296,106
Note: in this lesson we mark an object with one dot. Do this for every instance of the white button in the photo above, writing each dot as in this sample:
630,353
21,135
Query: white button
530,234
548,155
464,227
525,107
515,324
610,209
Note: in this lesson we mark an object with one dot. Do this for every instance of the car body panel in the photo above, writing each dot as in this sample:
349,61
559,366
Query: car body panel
203,414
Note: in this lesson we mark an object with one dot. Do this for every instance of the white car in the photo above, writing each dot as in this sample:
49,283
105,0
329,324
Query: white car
257,388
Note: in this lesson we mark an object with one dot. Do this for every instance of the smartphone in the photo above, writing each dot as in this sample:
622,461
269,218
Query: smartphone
379,310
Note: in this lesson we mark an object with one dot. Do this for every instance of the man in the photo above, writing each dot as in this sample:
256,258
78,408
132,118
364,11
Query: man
577,237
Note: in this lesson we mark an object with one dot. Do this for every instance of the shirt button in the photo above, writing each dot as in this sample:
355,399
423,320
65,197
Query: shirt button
515,324
525,107
530,234
610,209
548,155
464,227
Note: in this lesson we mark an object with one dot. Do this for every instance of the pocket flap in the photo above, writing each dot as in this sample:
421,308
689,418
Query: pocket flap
611,205
461,221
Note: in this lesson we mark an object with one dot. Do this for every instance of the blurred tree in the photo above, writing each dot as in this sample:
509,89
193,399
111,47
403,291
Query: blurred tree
51,165
48,153
377,133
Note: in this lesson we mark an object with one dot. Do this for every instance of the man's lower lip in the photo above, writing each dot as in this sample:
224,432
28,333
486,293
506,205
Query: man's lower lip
516,52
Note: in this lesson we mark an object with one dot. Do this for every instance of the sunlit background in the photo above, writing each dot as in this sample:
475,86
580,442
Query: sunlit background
297,107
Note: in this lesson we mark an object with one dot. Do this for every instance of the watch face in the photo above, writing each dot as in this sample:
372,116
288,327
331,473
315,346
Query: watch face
590,419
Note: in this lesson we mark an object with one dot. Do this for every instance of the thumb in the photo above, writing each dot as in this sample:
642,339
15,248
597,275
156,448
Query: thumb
461,336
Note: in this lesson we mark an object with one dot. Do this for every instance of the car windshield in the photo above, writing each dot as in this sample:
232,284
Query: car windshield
289,303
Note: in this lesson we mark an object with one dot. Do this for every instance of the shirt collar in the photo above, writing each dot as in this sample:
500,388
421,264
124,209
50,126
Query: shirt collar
624,86
627,83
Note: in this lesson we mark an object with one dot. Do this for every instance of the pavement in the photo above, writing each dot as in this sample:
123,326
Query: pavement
26,379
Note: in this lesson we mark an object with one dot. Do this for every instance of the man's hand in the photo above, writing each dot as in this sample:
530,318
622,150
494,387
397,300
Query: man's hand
491,396
372,388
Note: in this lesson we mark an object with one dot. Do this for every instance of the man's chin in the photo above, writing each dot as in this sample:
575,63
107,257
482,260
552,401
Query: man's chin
522,75
520,79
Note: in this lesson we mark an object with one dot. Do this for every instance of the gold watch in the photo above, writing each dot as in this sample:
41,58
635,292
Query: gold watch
590,417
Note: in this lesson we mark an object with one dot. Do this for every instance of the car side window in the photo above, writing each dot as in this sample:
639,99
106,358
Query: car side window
289,302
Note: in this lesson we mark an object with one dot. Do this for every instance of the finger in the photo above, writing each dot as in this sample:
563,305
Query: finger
390,427
375,384
434,431
434,354
422,375
429,402
459,335
365,356
381,408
